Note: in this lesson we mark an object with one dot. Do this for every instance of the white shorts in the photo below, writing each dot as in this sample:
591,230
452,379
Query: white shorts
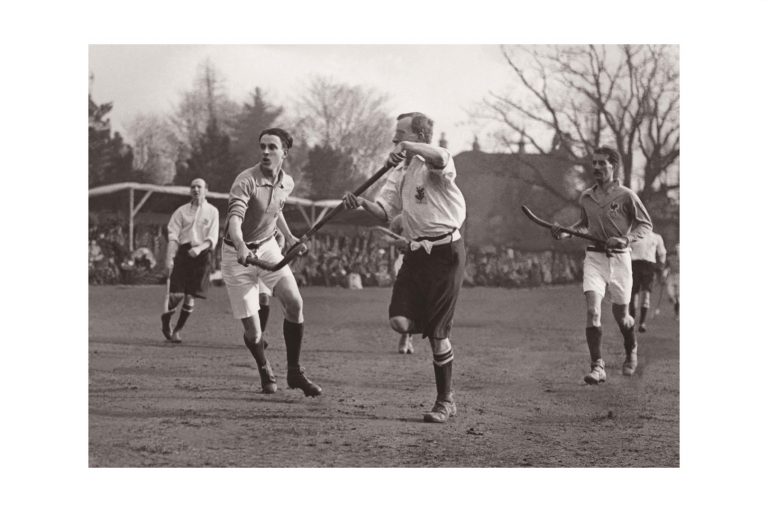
673,286
244,283
264,289
613,274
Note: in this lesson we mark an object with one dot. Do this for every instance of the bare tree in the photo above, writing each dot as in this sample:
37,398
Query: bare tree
570,99
156,147
351,119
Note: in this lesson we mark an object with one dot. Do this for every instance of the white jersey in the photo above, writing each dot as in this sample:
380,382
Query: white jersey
649,248
430,201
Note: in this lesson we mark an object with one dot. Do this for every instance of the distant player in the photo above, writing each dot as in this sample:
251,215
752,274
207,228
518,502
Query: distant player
405,345
192,232
613,213
673,278
648,258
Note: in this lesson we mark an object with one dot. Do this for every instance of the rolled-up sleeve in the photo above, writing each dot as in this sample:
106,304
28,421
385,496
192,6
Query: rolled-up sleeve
448,172
239,195
389,195
213,226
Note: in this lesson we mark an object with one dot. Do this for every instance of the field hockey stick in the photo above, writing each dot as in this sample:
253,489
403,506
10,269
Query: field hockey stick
299,247
167,293
541,222
390,233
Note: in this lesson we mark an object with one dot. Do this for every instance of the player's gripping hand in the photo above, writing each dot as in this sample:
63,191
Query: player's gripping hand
350,201
242,255
616,242
397,155
558,233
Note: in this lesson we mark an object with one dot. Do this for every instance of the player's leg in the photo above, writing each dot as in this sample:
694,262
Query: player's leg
265,296
619,292
174,297
188,306
442,362
243,291
287,290
255,345
445,276
405,345
596,272
645,304
635,289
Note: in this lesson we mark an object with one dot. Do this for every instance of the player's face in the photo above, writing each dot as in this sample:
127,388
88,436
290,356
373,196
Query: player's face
272,152
602,169
197,189
404,133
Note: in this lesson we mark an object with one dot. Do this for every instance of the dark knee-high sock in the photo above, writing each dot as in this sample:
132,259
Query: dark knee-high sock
677,308
630,339
293,333
185,312
643,313
263,316
166,320
443,365
594,339
256,349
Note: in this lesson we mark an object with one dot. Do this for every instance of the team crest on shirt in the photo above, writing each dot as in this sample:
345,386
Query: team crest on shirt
420,194
614,208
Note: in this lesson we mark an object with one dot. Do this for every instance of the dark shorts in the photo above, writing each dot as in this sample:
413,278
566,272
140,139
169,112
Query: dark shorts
191,276
427,287
643,273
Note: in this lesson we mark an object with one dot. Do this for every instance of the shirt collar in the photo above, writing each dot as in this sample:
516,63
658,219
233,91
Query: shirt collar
611,187
263,181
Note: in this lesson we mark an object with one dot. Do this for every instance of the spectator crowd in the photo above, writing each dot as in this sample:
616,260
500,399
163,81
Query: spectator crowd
361,260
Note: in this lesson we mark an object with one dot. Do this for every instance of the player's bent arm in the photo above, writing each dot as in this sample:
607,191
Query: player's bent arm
235,231
435,156
170,253
374,209
282,226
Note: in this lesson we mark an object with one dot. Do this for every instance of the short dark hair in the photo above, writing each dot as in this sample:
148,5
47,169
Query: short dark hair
283,135
611,154
421,125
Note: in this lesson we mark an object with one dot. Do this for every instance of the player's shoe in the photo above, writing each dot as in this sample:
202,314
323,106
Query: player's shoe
268,380
441,411
297,379
165,320
630,363
597,375
176,337
642,327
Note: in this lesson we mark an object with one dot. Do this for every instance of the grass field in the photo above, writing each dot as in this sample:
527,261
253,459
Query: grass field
520,359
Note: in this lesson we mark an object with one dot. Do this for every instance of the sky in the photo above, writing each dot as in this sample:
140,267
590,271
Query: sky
443,81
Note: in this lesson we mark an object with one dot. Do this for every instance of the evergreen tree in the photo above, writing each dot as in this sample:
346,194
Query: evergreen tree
330,172
110,160
211,158
254,118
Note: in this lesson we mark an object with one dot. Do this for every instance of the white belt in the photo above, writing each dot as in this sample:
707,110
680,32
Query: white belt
428,244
